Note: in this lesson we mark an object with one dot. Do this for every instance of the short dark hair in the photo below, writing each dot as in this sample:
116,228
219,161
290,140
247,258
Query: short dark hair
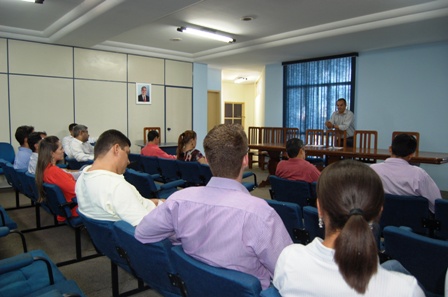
71,126
225,147
108,139
33,139
152,135
22,133
293,147
342,99
403,145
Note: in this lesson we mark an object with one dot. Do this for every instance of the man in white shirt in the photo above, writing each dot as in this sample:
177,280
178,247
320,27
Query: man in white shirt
102,191
343,119
67,139
80,148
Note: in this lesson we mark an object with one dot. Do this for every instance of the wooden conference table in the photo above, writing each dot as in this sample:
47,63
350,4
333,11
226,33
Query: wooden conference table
275,149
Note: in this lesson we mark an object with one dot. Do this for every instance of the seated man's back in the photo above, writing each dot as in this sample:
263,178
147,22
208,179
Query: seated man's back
221,224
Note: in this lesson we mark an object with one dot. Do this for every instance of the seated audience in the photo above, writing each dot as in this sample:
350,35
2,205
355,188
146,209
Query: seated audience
33,142
102,191
67,139
401,178
50,152
80,148
152,147
186,148
221,224
345,263
296,167
23,155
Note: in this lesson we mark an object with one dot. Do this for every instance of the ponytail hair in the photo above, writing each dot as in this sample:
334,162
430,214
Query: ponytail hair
351,194
184,138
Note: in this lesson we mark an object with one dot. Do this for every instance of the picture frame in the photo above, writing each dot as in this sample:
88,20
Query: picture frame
143,93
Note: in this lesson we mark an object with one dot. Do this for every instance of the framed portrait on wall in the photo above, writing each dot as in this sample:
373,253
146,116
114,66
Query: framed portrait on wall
143,91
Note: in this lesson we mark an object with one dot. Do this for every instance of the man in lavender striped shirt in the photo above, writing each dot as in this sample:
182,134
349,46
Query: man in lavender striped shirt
221,224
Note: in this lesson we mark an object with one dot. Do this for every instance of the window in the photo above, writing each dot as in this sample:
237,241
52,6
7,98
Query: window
312,87
233,113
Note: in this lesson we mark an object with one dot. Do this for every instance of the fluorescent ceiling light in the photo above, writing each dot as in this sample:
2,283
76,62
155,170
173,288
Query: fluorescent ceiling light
34,1
206,33
240,80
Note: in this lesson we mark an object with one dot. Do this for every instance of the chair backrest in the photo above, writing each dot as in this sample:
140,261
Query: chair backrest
170,170
206,172
311,223
190,172
56,203
406,211
291,215
135,162
253,135
201,279
425,258
291,133
73,164
298,192
336,138
365,140
7,152
143,182
441,215
23,183
270,292
152,262
10,174
314,137
6,221
150,165
147,129
415,134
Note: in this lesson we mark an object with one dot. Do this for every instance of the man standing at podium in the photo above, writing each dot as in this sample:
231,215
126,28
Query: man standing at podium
343,119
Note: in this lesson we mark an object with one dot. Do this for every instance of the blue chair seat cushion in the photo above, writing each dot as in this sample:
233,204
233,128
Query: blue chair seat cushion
27,279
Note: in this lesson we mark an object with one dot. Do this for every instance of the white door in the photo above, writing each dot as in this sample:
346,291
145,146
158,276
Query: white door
179,114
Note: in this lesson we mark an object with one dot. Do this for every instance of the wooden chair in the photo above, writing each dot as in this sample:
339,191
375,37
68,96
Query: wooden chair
365,141
147,129
314,137
253,137
336,138
291,133
415,134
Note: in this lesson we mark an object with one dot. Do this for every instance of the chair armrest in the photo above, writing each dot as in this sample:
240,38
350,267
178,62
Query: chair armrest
172,184
247,174
4,231
16,262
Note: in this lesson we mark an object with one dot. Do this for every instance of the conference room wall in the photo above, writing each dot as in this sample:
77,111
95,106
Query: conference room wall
405,89
397,89
49,86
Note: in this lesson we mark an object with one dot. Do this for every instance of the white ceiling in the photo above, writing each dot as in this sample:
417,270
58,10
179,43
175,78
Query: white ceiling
281,30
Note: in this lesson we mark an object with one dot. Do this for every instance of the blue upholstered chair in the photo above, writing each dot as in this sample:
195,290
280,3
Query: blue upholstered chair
270,292
206,173
250,185
190,172
425,258
73,164
6,153
291,191
201,279
56,203
409,211
8,226
11,178
104,238
146,186
150,165
34,274
135,162
441,215
291,215
310,220
169,169
151,262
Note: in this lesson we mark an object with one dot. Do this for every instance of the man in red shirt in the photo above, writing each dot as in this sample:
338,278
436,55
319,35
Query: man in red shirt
152,147
296,167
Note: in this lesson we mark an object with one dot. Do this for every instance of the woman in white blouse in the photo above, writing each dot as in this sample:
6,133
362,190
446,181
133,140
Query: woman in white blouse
350,197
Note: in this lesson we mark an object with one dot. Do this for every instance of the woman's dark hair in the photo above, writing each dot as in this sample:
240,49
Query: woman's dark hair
47,146
184,138
351,195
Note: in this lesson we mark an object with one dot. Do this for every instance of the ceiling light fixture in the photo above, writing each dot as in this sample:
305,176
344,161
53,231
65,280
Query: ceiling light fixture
240,80
35,1
208,33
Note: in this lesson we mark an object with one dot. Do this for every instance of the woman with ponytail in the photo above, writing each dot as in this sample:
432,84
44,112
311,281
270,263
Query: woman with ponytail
350,197
186,148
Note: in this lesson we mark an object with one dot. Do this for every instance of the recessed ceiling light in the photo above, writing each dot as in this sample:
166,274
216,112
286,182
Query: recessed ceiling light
175,39
247,18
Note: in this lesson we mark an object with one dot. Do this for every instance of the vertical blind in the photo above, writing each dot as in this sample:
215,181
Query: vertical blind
312,87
